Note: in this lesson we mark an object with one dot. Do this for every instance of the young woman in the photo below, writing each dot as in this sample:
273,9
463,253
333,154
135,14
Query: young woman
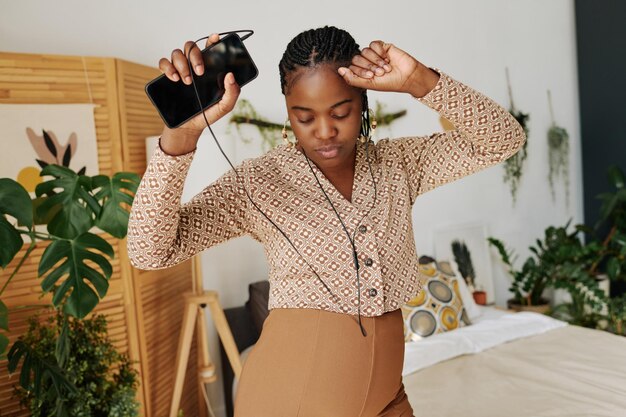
333,210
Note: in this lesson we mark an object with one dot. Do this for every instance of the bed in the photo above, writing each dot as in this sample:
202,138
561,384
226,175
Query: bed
503,364
520,364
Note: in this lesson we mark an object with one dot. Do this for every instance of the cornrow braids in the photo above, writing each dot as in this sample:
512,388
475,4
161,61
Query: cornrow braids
316,46
313,47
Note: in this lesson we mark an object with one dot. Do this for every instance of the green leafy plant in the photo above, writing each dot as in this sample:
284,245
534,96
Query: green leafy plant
558,154
562,260
528,284
513,165
616,315
75,266
568,263
613,213
606,255
245,113
559,260
104,380
612,260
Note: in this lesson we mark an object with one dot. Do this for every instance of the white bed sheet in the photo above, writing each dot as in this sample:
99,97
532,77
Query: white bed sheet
491,328
489,312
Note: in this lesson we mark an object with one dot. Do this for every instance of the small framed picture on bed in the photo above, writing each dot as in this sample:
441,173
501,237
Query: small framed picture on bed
466,244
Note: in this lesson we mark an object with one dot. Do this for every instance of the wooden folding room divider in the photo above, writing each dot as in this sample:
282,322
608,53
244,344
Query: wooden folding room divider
144,309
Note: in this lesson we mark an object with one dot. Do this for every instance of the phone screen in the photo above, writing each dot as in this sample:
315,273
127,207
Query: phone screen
177,102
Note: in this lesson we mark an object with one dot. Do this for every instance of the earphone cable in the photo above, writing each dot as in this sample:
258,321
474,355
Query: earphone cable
250,32
350,239
237,173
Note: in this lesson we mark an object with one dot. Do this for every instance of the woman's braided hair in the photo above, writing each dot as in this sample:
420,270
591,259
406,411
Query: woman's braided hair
313,47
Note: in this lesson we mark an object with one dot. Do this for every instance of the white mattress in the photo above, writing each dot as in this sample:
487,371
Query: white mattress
493,327
568,371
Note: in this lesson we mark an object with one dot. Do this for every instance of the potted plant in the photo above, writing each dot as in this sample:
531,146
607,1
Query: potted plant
528,283
560,260
563,261
569,264
463,258
105,380
75,266
610,261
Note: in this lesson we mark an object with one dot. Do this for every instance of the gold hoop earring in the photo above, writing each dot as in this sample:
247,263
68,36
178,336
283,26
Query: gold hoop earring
373,125
284,132
374,122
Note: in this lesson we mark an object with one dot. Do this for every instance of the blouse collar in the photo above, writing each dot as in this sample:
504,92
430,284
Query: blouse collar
362,186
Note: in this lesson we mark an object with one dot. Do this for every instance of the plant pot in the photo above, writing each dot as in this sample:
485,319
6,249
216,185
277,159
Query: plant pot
480,297
542,308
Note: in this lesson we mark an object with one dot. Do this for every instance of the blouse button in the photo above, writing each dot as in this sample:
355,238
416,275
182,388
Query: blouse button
373,292
369,262
362,228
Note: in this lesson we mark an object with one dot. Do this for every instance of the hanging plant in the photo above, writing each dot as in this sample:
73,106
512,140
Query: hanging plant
245,113
271,133
558,146
513,165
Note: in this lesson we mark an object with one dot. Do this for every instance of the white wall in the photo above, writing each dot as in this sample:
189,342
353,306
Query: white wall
472,41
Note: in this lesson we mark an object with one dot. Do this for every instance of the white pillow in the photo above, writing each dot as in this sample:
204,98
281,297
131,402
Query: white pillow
471,308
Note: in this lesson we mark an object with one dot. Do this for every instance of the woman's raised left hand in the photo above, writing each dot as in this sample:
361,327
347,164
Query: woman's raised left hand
384,67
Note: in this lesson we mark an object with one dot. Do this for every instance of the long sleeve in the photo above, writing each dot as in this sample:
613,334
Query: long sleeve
485,135
162,232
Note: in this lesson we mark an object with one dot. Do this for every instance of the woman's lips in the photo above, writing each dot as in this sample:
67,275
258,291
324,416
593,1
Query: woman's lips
328,151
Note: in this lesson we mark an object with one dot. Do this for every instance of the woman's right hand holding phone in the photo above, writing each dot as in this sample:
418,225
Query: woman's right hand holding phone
184,138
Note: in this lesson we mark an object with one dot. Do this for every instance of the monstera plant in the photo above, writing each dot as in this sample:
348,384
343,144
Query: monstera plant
75,266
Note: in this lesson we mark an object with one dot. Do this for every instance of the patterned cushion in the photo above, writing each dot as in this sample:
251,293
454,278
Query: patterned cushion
438,307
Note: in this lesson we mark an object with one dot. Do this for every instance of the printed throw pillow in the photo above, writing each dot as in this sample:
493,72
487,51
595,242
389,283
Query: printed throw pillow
438,307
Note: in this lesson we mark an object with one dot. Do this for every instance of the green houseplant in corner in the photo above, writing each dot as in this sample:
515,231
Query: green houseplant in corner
559,260
613,212
75,265
567,261
564,261
612,258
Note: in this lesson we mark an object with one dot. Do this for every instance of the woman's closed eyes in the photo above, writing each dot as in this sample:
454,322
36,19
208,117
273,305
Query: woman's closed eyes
335,116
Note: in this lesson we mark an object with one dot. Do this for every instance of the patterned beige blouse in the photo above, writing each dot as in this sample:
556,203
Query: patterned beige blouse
162,232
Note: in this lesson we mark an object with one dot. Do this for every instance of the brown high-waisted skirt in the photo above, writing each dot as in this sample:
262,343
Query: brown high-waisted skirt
316,363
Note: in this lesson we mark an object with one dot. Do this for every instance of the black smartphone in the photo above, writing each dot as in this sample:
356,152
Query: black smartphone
177,102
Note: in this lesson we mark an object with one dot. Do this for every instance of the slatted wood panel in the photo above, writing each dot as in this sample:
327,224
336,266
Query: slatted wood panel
29,78
160,310
162,319
123,119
